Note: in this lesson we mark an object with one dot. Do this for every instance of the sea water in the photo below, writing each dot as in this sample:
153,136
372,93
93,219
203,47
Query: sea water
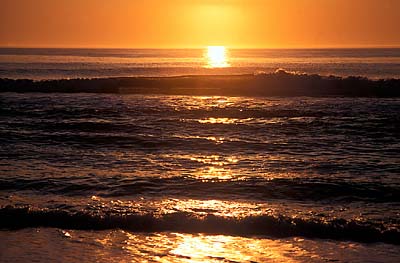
90,63
157,178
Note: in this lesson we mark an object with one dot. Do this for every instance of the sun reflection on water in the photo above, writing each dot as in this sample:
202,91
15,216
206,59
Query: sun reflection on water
214,207
213,120
214,174
192,248
219,248
213,167
217,57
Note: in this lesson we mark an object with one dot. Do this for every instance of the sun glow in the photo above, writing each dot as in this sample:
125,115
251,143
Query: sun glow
217,57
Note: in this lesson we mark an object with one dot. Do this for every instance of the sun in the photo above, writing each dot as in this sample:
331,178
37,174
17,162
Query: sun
217,57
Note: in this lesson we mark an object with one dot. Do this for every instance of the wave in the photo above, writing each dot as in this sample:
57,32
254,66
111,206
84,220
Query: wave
262,225
256,188
279,83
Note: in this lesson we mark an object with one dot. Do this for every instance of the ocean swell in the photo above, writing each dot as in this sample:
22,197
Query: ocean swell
279,83
317,189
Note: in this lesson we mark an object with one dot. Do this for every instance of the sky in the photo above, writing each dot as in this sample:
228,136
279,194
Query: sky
199,23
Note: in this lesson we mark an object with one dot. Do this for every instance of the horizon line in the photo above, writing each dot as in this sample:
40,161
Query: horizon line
199,47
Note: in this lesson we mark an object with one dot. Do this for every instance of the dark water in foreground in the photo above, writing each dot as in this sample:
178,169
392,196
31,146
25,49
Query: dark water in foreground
194,179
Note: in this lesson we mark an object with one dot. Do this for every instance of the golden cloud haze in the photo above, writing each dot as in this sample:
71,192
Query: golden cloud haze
196,23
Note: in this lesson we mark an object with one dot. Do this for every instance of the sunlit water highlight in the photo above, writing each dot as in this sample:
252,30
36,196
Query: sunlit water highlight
122,246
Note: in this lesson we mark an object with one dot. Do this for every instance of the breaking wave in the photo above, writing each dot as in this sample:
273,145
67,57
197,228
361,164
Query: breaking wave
263,225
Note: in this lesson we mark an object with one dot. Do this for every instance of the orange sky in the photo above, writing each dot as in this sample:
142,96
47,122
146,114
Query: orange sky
198,23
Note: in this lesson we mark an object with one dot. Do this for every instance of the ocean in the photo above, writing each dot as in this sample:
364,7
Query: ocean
100,175
39,64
